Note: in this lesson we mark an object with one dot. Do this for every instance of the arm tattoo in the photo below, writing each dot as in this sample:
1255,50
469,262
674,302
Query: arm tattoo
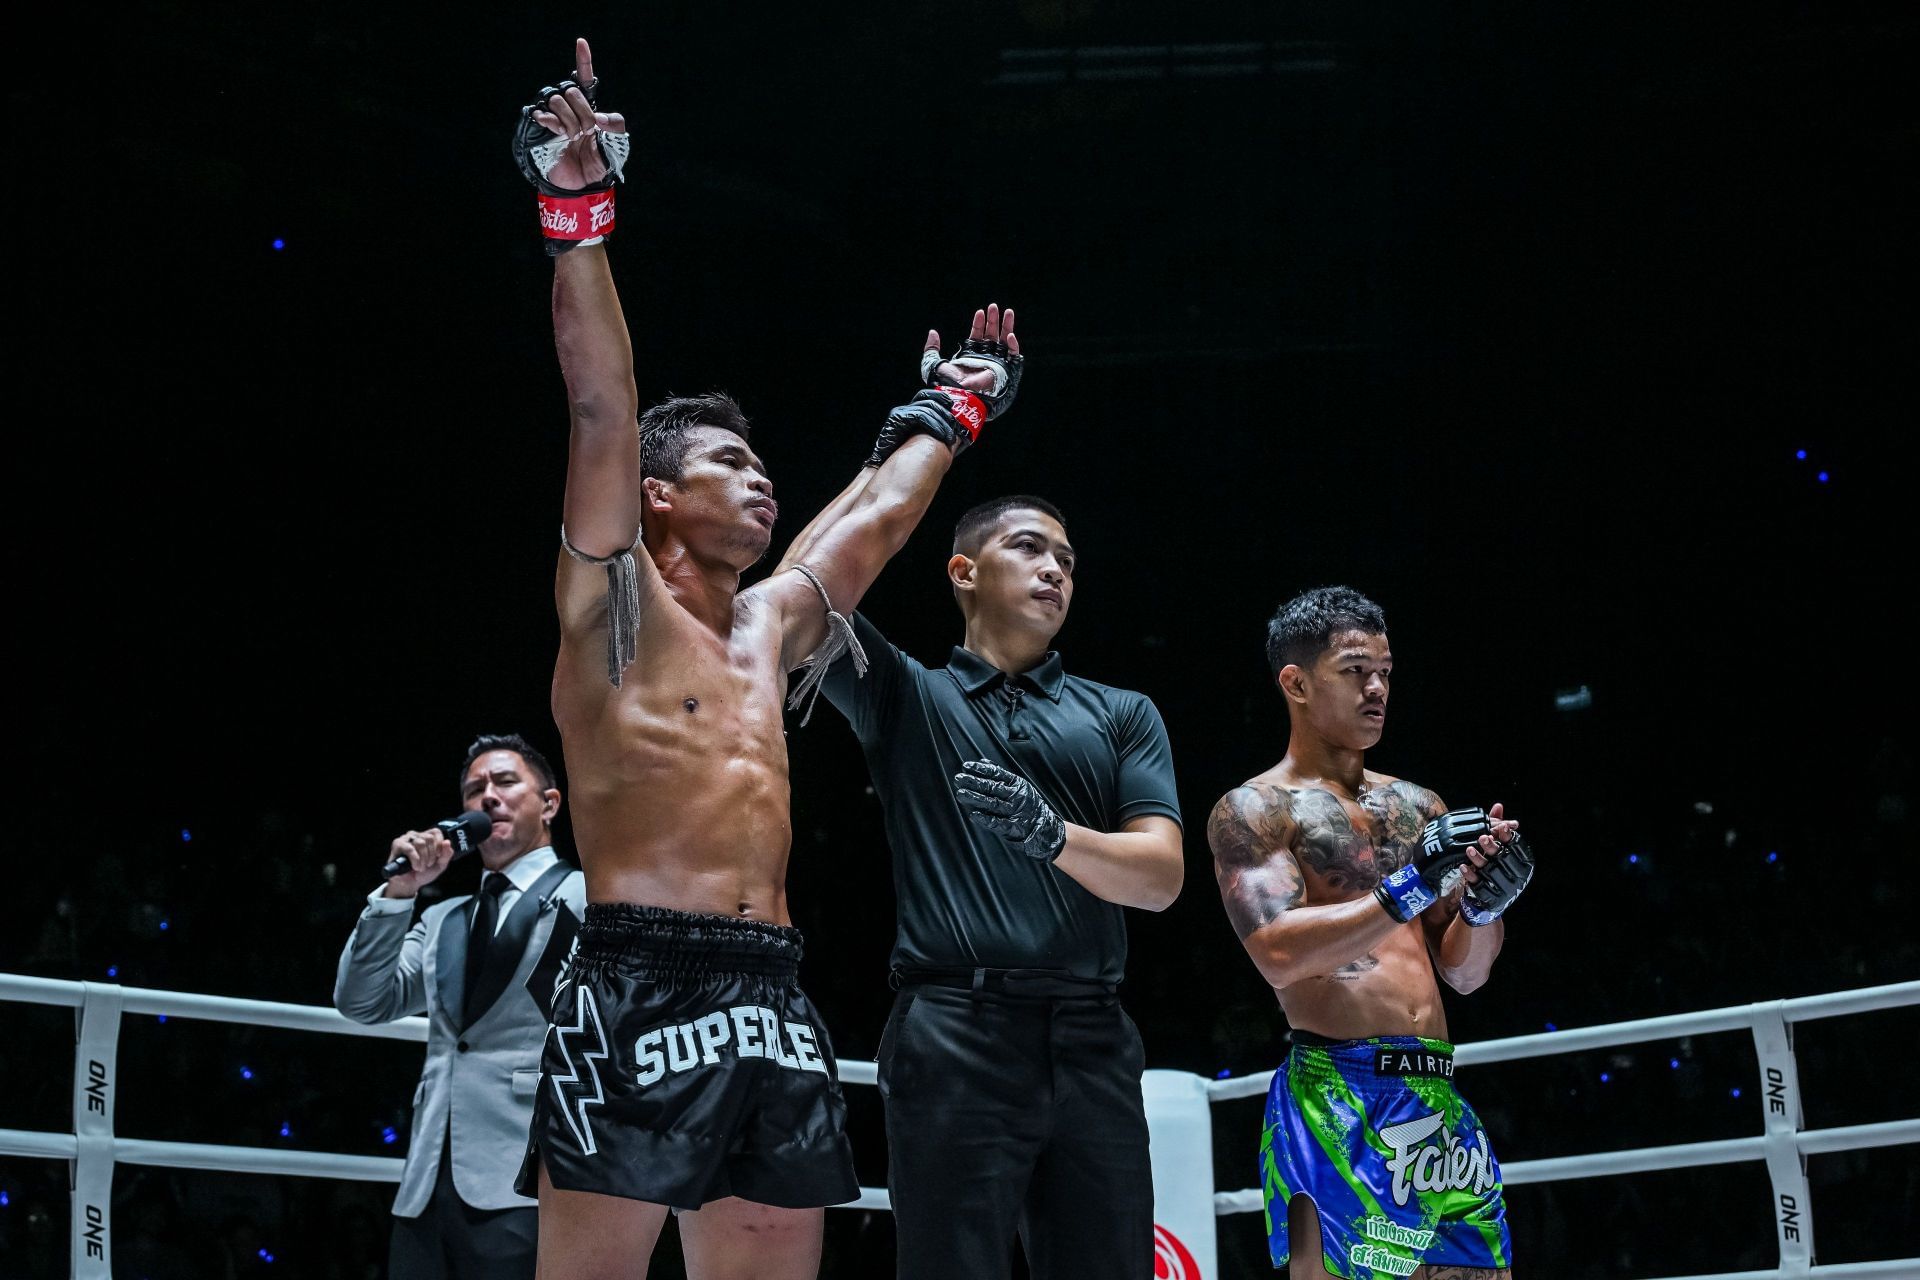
1399,811
1258,877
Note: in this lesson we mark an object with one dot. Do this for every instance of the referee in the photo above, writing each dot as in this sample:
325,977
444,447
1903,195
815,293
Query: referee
1024,807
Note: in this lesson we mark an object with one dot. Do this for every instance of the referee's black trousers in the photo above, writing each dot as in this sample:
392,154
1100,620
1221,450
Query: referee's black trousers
1015,1113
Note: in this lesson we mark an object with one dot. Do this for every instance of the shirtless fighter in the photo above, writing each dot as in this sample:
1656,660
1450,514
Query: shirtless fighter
1352,890
684,1068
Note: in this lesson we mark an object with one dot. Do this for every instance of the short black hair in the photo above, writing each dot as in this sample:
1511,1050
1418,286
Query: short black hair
549,780
1305,625
973,526
664,428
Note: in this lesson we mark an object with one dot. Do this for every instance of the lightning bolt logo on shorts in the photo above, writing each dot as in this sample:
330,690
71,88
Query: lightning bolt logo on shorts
586,1024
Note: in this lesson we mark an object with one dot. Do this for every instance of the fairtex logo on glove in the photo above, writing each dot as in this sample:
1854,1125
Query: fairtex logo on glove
576,217
969,410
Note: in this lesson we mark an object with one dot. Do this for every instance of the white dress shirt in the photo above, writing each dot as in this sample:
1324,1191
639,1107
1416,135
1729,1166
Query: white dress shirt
520,874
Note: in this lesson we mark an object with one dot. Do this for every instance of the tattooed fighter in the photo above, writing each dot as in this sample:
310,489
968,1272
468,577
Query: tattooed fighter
1353,892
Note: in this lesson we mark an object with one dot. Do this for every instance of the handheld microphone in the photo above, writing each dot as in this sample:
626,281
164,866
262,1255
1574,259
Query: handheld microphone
464,833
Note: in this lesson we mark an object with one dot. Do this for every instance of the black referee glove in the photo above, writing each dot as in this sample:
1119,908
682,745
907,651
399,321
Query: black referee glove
1011,807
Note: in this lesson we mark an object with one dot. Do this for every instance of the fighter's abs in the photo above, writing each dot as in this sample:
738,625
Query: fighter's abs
681,799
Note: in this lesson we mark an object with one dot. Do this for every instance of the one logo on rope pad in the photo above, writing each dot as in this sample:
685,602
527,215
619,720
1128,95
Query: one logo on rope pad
1171,1259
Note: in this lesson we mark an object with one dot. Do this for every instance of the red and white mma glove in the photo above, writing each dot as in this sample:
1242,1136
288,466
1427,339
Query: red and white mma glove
948,412
571,216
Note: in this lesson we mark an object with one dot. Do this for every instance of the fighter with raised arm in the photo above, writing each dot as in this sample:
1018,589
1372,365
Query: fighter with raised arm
685,1067
1355,894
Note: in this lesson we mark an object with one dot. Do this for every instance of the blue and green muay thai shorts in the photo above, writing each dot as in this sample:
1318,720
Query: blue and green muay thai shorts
1395,1160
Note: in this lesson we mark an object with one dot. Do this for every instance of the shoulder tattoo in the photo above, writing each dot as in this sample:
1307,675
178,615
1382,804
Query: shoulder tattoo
1259,879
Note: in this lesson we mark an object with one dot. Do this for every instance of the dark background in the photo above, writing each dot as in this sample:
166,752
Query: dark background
1513,317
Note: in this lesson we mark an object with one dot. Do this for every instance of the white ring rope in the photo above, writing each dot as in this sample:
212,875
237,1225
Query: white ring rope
1738,1017
191,1155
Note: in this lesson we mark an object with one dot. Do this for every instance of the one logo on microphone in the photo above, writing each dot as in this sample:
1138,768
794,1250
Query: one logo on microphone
1171,1259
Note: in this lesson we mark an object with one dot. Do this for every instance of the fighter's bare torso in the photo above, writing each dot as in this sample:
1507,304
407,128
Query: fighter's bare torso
679,776
1332,846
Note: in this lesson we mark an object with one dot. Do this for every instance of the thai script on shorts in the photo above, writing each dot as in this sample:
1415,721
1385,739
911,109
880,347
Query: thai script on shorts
1387,1231
1372,1255
743,1031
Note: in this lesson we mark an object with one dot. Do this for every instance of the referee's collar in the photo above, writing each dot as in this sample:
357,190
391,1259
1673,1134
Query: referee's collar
976,675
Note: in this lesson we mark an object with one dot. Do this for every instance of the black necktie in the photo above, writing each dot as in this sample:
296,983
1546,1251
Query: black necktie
486,918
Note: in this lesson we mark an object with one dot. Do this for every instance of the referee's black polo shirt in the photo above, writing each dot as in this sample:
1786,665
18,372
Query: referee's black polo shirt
967,898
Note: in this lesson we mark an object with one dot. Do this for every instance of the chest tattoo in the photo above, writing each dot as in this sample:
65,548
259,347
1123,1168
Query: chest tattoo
1351,855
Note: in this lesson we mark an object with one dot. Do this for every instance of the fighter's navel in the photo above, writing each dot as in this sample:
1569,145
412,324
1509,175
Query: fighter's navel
692,705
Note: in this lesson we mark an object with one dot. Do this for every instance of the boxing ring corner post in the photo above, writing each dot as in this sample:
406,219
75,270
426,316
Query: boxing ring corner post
1178,1106
1180,1128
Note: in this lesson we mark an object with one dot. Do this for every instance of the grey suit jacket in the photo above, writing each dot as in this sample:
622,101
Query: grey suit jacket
478,1083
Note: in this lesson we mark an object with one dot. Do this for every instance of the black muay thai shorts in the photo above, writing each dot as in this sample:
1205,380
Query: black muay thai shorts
684,1064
